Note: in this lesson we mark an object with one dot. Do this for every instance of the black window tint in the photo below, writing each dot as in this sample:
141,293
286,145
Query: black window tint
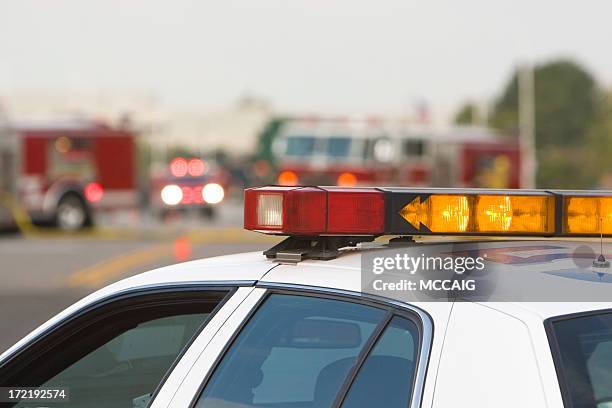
117,354
388,371
413,148
585,353
296,351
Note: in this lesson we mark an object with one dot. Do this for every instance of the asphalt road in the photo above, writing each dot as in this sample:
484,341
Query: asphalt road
43,272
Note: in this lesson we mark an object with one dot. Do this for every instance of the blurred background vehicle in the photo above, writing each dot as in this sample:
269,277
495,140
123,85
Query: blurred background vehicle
64,172
352,152
192,184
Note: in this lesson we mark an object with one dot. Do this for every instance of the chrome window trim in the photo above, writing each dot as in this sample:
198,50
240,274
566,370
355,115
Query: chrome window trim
426,321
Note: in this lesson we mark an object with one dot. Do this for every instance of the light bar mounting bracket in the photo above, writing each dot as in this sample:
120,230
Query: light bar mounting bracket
295,249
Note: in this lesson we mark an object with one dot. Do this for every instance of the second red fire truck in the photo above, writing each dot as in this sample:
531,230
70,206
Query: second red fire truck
371,152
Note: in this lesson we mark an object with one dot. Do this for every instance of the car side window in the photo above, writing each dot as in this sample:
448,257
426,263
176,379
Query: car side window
387,373
117,354
296,351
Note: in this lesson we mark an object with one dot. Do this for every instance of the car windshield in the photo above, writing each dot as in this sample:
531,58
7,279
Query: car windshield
585,359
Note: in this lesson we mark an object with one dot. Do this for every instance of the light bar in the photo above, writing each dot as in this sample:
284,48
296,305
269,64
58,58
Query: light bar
315,211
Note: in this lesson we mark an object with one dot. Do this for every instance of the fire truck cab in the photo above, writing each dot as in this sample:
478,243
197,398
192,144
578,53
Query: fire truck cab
344,152
63,172
365,152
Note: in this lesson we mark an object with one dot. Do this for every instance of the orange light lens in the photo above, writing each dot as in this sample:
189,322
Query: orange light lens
507,213
450,213
439,213
588,215
347,180
287,178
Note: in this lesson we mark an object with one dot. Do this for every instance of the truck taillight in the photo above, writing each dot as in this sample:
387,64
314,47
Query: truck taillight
93,192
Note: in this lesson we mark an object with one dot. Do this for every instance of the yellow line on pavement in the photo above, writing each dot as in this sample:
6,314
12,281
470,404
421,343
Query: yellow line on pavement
204,234
107,270
20,215
227,235
116,267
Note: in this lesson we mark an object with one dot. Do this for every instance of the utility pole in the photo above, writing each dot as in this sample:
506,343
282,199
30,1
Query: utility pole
483,110
526,108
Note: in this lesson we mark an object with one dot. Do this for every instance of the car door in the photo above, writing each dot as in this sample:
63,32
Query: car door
307,348
122,349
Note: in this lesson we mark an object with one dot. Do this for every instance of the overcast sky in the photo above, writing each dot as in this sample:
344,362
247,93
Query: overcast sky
304,55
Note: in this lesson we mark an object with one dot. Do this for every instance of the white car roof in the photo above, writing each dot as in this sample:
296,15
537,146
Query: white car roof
344,273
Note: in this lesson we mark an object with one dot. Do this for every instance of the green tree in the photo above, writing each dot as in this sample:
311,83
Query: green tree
467,114
566,107
565,104
563,168
600,138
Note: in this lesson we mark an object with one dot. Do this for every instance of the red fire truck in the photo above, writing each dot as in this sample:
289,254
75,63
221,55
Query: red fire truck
370,152
66,171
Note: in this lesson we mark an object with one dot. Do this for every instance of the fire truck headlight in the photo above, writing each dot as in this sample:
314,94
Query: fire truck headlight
213,193
288,178
171,194
346,180
383,150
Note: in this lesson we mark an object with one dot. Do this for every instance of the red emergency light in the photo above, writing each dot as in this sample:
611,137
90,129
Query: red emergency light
196,167
179,167
315,211
93,192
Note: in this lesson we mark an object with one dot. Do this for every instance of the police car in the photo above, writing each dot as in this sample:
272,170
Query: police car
298,328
